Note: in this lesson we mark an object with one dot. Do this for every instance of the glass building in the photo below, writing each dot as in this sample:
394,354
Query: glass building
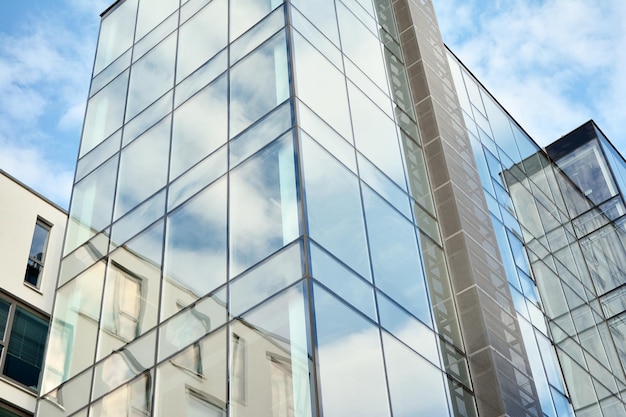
307,208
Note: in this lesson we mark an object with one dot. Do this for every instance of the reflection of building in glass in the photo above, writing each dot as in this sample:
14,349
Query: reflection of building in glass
305,208
31,240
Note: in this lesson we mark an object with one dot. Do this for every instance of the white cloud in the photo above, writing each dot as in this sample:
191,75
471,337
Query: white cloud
553,64
45,65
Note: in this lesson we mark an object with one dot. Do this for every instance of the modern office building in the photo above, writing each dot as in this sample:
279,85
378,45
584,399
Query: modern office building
307,208
31,240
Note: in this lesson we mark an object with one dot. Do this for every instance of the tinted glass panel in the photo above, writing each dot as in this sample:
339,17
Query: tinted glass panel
116,34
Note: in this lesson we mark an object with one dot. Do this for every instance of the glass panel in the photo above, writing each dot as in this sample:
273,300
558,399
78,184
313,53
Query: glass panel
201,37
24,355
147,118
131,291
124,364
198,177
327,137
260,134
409,330
349,355
105,113
245,13
361,46
258,83
395,256
151,13
193,383
266,279
201,77
116,34
200,126
98,155
76,314
92,205
384,186
83,257
38,245
133,399
155,36
416,387
195,253
152,76
70,397
189,8
322,14
143,167
334,208
263,205
376,137
257,35
188,326
138,219
343,281
111,72
317,81
269,359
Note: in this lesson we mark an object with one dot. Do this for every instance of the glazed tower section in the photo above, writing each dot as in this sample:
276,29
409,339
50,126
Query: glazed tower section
252,229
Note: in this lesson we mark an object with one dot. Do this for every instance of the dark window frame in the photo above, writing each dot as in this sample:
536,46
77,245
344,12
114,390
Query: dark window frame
35,264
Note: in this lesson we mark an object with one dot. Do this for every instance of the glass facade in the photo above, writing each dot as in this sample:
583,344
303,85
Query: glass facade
255,231
252,226
558,219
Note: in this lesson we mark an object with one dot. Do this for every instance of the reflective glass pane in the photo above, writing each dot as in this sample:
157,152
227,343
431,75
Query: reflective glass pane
116,34
105,113
195,253
395,256
151,77
321,86
110,73
138,219
143,167
334,207
155,36
201,77
4,315
257,35
201,37
416,387
68,398
131,295
258,83
263,205
260,134
200,126
76,314
361,46
151,13
124,364
193,383
245,13
133,399
147,118
351,370
343,281
83,257
269,359
322,14
98,155
266,279
198,177
92,203
375,136
189,325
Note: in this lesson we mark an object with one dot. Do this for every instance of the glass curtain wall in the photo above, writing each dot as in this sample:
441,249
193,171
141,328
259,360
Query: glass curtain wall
533,205
252,231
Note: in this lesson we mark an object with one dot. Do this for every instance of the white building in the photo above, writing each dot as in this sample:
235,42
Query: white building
31,241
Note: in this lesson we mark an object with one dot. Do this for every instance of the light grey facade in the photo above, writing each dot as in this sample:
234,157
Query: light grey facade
279,210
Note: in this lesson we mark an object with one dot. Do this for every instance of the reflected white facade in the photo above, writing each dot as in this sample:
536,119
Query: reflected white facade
31,240
278,211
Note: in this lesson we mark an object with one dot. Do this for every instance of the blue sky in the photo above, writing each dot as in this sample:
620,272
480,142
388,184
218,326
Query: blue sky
554,64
